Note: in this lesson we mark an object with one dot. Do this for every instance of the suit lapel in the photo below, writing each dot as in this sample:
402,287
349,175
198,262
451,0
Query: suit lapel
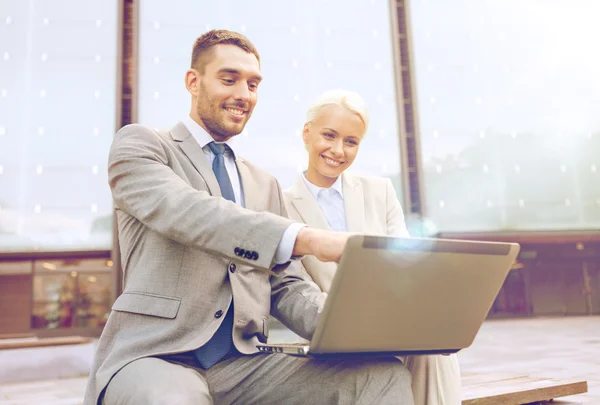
194,152
354,203
249,186
307,206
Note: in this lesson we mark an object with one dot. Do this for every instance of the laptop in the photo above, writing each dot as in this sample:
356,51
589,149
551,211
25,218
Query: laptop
405,296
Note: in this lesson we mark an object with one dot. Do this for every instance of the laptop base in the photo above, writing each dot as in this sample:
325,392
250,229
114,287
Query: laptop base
302,349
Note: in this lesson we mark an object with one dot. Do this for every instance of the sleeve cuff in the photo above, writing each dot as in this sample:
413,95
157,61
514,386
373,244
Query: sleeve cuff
283,254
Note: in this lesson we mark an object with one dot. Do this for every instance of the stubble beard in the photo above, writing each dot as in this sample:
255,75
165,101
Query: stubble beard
208,111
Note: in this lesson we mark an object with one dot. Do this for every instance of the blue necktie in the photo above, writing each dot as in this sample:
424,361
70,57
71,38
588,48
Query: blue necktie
220,171
221,343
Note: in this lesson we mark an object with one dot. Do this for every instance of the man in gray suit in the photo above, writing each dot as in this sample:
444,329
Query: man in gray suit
207,255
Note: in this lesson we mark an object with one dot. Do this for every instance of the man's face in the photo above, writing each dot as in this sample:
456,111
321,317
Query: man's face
227,91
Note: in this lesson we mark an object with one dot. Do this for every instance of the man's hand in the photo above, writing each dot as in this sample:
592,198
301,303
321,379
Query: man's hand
327,246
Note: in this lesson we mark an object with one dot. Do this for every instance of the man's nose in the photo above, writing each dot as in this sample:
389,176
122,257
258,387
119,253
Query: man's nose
242,92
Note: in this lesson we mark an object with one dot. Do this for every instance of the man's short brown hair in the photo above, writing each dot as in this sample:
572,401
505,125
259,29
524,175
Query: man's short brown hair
206,41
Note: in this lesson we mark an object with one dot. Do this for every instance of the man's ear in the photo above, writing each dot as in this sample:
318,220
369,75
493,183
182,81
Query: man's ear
192,81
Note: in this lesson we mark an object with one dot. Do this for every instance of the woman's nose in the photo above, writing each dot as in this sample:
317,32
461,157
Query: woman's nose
337,149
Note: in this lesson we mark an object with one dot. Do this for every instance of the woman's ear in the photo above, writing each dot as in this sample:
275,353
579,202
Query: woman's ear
305,134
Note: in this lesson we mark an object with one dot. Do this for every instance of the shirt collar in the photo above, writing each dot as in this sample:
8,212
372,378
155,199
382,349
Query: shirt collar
202,137
314,190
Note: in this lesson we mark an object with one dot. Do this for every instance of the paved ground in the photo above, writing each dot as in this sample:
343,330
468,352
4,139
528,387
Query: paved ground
544,347
566,347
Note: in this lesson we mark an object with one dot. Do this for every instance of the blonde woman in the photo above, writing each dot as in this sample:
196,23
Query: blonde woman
325,196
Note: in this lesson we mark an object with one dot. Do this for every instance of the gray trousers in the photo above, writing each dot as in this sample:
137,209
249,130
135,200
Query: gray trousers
260,379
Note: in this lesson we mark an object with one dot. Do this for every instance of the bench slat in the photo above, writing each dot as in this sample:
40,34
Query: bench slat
44,342
518,390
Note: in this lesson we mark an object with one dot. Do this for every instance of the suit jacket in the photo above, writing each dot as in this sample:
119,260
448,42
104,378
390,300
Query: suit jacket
186,253
371,207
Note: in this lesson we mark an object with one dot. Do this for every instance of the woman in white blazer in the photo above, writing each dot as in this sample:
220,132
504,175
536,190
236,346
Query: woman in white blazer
325,196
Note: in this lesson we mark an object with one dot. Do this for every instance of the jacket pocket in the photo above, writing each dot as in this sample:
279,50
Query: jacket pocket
148,304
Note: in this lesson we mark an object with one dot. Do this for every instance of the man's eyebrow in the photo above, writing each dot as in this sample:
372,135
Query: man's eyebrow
331,129
237,72
229,70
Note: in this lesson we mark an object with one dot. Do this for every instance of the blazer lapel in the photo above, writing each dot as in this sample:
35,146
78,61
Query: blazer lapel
354,203
249,186
194,152
307,206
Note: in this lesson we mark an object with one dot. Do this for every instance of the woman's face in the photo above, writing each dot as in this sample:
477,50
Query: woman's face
332,141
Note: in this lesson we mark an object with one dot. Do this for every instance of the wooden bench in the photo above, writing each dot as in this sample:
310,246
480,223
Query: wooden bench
483,389
31,342
478,389
16,336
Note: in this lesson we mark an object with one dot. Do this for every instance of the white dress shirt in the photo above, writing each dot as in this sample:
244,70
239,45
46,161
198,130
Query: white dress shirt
331,201
283,254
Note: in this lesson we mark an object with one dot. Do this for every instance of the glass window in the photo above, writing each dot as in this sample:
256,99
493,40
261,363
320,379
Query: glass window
306,48
57,119
71,293
509,101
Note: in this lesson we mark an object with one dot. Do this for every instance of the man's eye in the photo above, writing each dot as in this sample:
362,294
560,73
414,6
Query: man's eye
328,135
228,81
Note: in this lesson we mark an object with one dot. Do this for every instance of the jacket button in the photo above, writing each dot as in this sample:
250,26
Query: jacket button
218,314
232,267
248,255
254,256
236,251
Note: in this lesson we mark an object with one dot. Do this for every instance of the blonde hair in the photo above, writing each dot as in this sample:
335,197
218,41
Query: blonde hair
344,98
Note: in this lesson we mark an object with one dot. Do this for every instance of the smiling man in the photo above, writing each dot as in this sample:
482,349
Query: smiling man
215,75
208,254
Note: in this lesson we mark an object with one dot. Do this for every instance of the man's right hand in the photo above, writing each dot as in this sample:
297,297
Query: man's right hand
327,246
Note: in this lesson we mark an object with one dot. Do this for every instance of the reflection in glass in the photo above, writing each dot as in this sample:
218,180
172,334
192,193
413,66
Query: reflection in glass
57,117
53,301
509,113
69,295
305,47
